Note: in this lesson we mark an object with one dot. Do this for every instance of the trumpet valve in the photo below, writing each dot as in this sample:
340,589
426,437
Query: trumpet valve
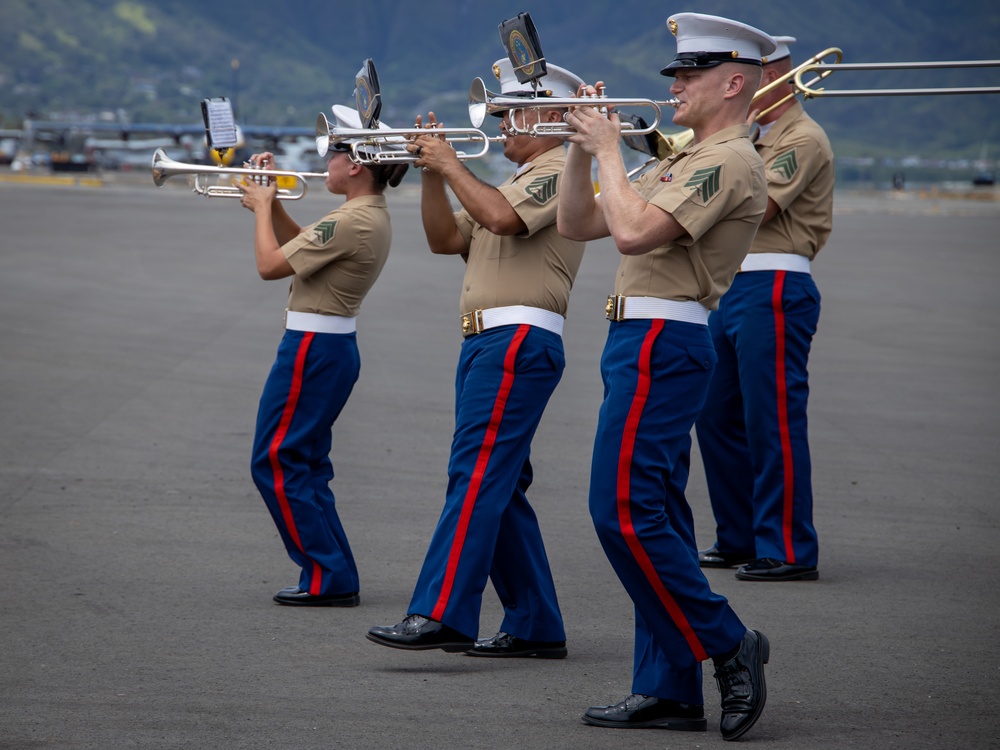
600,93
261,179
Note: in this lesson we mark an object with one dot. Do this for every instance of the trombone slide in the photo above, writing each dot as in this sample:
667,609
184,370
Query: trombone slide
808,91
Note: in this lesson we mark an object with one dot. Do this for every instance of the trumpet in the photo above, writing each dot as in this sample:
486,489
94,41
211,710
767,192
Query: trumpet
808,90
164,168
387,145
483,102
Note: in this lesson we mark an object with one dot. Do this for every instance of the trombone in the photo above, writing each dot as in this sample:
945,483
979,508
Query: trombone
164,168
387,145
483,102
809,92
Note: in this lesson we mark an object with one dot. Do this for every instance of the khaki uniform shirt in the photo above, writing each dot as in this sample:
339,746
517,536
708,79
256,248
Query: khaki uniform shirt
799,166
536,268
337,259
716,190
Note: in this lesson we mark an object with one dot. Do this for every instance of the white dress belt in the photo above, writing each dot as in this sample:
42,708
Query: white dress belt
302,321
478,321
631,308
775,262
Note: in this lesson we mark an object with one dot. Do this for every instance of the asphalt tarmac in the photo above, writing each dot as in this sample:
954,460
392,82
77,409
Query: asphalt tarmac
138,562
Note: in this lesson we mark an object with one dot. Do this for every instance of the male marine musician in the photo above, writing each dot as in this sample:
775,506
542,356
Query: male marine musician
682,230
518,277
752,431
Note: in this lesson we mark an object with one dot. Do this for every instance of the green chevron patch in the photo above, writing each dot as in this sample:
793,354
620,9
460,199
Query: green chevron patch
543,189
786,164
706,182
325,231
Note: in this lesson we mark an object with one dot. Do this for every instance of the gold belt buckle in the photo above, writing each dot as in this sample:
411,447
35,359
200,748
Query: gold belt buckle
615,309
472,323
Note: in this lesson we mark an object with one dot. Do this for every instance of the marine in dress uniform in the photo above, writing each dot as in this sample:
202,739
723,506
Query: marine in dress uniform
753,431
683,229
333,264
514,297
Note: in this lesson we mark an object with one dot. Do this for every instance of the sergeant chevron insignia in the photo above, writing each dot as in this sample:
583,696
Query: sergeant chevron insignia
542,189
325,231
706,182
785,164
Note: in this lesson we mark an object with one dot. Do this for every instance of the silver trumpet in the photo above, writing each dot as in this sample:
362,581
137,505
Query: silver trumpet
164,168
483,102
388,145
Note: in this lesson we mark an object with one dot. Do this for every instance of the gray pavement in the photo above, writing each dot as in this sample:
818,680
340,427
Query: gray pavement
138,562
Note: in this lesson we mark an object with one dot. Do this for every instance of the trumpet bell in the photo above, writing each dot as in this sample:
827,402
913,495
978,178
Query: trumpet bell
164,167
479,102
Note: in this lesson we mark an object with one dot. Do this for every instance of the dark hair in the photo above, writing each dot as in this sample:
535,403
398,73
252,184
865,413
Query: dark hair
387,174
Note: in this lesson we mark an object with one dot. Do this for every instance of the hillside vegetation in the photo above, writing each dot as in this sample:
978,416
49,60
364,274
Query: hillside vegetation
155,61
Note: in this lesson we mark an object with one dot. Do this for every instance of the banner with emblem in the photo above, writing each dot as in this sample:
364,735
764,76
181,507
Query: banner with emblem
520,39
367,95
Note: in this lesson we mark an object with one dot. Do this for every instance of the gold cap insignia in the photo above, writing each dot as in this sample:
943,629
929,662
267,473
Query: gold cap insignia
673,26
496,72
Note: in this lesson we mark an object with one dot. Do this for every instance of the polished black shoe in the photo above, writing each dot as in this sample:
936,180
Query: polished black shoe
640,711
505,644
419,633
769,569
293,596
712,558
741,683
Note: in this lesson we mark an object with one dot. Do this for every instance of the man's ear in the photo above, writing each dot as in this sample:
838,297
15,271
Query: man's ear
735,85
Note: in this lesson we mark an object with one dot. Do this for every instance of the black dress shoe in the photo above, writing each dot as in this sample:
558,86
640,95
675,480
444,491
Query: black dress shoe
505,644
295,597
712,558
741,683
418,633
769,569
639,711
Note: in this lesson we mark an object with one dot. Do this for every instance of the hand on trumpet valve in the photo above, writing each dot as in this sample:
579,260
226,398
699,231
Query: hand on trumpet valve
433,152
258,192
264,162
597,129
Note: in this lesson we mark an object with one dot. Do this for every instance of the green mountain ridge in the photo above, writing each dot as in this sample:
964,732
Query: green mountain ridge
156,61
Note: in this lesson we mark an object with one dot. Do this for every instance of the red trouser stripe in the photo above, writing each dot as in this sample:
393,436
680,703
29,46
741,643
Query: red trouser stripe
788,491
624,496
272,452
476,481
